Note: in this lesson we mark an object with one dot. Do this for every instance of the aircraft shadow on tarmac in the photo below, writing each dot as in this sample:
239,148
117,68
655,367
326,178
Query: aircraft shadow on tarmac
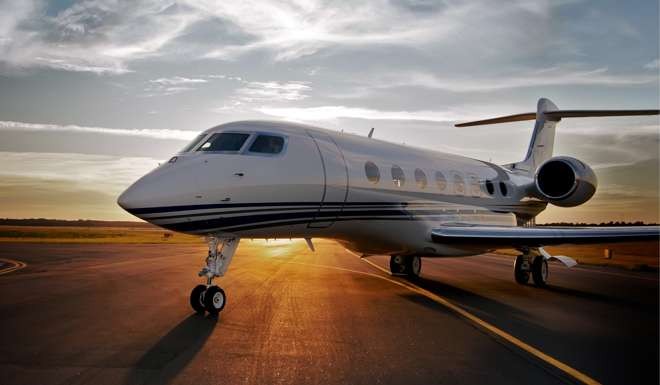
163,361
597,297
492,308
485,305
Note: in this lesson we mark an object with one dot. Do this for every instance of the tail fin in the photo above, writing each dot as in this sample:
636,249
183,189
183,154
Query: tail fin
547,116
543,138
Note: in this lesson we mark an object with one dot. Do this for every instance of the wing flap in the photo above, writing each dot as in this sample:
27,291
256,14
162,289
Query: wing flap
512,236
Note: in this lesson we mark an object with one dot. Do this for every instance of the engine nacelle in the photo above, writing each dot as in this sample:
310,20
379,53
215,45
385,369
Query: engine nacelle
565,181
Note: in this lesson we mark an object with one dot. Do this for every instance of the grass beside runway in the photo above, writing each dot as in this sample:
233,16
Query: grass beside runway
80,234
629,255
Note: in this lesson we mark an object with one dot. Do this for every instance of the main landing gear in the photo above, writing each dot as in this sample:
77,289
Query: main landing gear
209,297
531,263
408,265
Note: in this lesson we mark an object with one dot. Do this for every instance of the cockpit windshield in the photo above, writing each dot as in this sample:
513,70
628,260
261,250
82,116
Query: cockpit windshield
225,141
233,142
194,143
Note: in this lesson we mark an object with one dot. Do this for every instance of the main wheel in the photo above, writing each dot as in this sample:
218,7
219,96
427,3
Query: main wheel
521,276
214,300
540,271
197,298
397,264
413,266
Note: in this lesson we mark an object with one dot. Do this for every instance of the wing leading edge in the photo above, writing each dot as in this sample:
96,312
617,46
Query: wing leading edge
511,236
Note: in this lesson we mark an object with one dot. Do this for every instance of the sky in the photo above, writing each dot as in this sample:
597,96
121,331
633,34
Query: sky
93,94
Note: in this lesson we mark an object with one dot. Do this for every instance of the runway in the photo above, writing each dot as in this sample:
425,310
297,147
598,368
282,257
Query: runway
119,314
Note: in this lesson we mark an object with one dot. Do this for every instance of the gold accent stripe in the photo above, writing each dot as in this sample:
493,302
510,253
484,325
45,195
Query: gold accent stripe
15,265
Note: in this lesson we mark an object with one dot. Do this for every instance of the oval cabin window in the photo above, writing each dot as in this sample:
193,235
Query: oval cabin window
490,188
420,178
398,177
503,190
372,172
440,180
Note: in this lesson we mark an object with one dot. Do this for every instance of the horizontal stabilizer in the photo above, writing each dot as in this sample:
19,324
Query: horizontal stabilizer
501,119
558,115
510,236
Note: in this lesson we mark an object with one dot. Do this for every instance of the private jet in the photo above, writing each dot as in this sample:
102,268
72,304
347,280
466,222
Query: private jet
269,180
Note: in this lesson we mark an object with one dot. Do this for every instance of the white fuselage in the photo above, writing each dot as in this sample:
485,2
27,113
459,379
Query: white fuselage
317,187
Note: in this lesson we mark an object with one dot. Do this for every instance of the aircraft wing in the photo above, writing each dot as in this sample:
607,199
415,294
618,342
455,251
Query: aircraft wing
512,236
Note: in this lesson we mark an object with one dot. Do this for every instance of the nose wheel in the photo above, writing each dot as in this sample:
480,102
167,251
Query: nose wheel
209,297
214,300
197,298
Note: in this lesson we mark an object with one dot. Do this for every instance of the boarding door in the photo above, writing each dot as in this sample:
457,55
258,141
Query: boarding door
335,176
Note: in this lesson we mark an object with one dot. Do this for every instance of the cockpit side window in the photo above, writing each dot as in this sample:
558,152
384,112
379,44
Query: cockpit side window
225,141
267,144
194,143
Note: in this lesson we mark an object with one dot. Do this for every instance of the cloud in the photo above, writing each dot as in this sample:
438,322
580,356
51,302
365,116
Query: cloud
334,112
149,133
227,77
652,65
67,185
176,80
81,66
104,36
554,76
273,91
98,36
172,85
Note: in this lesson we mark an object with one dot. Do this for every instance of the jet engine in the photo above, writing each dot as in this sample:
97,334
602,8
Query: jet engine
565,181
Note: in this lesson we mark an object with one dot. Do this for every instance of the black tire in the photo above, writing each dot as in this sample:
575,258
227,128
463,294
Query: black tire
521,276
214,300
413,266
197,298
540,271
397,267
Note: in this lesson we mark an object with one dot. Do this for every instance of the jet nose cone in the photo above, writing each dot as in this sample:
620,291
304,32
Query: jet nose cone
128,199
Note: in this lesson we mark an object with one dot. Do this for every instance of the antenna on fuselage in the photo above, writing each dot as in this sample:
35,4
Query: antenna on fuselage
371,132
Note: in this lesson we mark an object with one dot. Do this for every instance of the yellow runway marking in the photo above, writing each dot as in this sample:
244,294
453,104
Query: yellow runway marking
15,265
487,326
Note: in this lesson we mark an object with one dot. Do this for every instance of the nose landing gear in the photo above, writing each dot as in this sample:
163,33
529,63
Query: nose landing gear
209,297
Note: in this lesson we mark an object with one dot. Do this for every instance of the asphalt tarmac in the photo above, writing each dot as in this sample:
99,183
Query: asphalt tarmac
119,314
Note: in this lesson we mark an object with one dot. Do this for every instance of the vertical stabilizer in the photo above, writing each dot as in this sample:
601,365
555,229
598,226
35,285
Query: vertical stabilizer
543,138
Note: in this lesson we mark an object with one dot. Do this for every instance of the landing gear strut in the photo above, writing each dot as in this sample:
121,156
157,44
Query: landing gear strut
409,265
531,263
209,297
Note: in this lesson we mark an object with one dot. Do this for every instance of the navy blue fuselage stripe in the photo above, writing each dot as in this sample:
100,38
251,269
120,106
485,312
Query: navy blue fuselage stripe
301,222
287,223
248,219
150,210
301,205
242,220
231,212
